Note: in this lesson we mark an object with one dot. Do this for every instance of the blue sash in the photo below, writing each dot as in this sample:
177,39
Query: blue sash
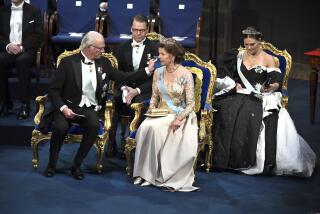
165,94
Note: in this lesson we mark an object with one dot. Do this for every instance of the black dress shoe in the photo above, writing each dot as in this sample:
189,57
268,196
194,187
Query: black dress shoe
50,171
24,112
77,173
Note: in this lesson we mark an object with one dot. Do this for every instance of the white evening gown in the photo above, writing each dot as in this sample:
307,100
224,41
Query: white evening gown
294,156
164,158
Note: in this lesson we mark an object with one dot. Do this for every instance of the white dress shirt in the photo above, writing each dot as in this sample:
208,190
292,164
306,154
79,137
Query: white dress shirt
137,51
89,83
16,24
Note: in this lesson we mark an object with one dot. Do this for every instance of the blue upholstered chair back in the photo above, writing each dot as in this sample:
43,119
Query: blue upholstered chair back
203,79
120,14
75,17
282,64
283,61
179,18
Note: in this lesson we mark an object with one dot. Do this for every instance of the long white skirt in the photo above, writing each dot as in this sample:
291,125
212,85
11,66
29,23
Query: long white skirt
294,156
164,158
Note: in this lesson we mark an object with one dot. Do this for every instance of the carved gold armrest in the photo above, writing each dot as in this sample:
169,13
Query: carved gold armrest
108,113
137,108
40,101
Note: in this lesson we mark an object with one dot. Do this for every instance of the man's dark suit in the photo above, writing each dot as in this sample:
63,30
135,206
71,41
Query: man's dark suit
66,89
32,37
124,57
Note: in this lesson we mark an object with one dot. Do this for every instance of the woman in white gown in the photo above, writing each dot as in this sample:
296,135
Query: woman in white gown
253,133
167,146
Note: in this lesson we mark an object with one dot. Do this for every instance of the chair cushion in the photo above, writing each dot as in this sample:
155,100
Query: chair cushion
116,39
188,42
132,134
76,129
12,72
66,38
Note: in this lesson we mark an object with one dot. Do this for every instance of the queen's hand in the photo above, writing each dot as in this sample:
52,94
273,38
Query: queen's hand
151,65
175,124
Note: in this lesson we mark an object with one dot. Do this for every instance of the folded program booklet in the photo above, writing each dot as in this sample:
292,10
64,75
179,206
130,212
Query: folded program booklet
158,111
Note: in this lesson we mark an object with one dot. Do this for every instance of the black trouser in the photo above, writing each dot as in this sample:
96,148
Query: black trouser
122,109
22,63
90,124
271,125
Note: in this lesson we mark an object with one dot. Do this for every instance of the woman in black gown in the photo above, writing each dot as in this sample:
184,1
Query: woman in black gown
246,124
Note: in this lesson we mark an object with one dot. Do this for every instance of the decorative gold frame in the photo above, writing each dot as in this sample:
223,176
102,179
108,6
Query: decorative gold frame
37,137
206,117
268,46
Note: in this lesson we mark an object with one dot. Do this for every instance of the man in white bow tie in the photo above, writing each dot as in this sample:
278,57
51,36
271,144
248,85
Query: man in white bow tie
21,34
133,55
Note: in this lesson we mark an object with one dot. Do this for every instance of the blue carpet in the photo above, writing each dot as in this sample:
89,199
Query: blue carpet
24,190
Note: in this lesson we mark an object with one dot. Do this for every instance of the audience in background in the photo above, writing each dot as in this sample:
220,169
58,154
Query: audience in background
21,34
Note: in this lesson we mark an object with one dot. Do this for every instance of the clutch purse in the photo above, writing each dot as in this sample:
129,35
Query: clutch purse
157,112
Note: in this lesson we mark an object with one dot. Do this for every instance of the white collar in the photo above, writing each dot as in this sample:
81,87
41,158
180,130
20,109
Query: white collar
20,6
86,60
137,44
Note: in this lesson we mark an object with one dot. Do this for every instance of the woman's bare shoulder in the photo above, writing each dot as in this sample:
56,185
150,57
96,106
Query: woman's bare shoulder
269,61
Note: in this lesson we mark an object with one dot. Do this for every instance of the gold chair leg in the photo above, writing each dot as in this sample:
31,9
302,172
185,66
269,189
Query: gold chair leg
36,138
209,156
100,145
130,145
127,152
35,154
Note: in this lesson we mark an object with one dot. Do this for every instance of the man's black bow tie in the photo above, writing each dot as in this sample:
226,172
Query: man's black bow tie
87,63
84,61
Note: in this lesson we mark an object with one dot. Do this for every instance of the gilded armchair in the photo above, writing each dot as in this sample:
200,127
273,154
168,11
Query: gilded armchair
75,132
283,61
204,74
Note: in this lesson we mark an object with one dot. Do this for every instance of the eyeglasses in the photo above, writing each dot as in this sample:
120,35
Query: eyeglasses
99,49
138,30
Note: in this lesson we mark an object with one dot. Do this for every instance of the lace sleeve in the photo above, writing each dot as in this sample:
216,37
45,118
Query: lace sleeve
189,96
155,92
